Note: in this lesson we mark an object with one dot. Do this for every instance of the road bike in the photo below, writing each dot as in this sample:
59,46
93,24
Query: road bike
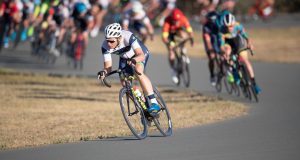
134,107
245,84
220,70
182,62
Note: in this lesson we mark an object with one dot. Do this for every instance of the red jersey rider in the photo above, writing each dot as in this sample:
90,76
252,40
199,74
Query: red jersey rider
176,24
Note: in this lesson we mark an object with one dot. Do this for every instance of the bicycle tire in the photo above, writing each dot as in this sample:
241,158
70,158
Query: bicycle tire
133,114
251,88
185,72
254,93
235,90
163,122
217,72
178,69
219,84
228,86
246,80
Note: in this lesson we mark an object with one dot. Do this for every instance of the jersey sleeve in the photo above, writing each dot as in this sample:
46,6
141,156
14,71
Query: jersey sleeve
166,28
133,42
242,31
106,54
187,25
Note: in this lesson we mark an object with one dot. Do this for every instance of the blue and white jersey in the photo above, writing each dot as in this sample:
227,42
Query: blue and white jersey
127,39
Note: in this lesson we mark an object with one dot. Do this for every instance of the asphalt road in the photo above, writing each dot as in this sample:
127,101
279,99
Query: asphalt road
270,131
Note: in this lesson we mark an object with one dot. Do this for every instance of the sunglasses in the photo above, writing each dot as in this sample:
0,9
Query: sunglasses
110,41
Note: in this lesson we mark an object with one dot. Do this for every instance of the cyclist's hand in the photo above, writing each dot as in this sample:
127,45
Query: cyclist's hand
102,74
250,46
132,62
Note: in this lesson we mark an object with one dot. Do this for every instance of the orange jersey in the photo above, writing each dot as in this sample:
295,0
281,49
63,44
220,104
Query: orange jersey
171,27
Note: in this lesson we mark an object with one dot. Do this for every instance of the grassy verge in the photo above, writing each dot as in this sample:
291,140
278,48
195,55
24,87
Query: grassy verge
271,45
38,109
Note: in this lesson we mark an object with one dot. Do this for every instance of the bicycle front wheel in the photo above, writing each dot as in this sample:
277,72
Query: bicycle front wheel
163,121
185,74
133,114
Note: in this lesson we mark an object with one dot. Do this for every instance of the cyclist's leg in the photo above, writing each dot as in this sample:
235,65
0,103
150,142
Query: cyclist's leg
211,65
171,52
183,35
143,79
227,52
245,59
147,86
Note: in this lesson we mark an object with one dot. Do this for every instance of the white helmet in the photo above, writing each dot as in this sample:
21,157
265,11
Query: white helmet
113,30
137,7
229,20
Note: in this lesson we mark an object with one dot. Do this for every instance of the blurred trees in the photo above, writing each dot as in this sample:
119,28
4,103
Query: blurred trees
288,5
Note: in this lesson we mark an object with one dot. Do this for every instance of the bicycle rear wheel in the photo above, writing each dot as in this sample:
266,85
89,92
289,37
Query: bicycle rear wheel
133,114
218,73
255,96
163,121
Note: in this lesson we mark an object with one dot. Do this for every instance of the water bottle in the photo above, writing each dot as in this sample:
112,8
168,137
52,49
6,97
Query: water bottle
139,97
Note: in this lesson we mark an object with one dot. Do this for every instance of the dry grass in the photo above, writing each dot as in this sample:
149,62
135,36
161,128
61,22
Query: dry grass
271,45
38,109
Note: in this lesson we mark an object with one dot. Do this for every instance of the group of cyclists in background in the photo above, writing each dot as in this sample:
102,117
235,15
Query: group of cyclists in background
64,27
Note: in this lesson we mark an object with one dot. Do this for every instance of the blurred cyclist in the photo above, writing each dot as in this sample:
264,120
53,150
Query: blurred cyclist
80,22
262,8
228,5
233,39
206,6
117,39
211,41
140,21
176,24
10,17
99,9
163,7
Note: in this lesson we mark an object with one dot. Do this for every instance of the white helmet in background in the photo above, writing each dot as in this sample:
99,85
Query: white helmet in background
229,20
113,30
137,7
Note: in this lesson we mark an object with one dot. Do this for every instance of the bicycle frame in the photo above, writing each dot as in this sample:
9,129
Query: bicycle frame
182,59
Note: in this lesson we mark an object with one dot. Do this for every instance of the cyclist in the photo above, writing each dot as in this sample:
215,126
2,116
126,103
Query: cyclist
99,9
228,4
81,20
211,41
262,8
141,23
176,24
206,7
233,39
117,40
164,7
9,12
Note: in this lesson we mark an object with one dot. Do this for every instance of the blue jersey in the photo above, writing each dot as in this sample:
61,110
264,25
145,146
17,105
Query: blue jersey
213,31
238,30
